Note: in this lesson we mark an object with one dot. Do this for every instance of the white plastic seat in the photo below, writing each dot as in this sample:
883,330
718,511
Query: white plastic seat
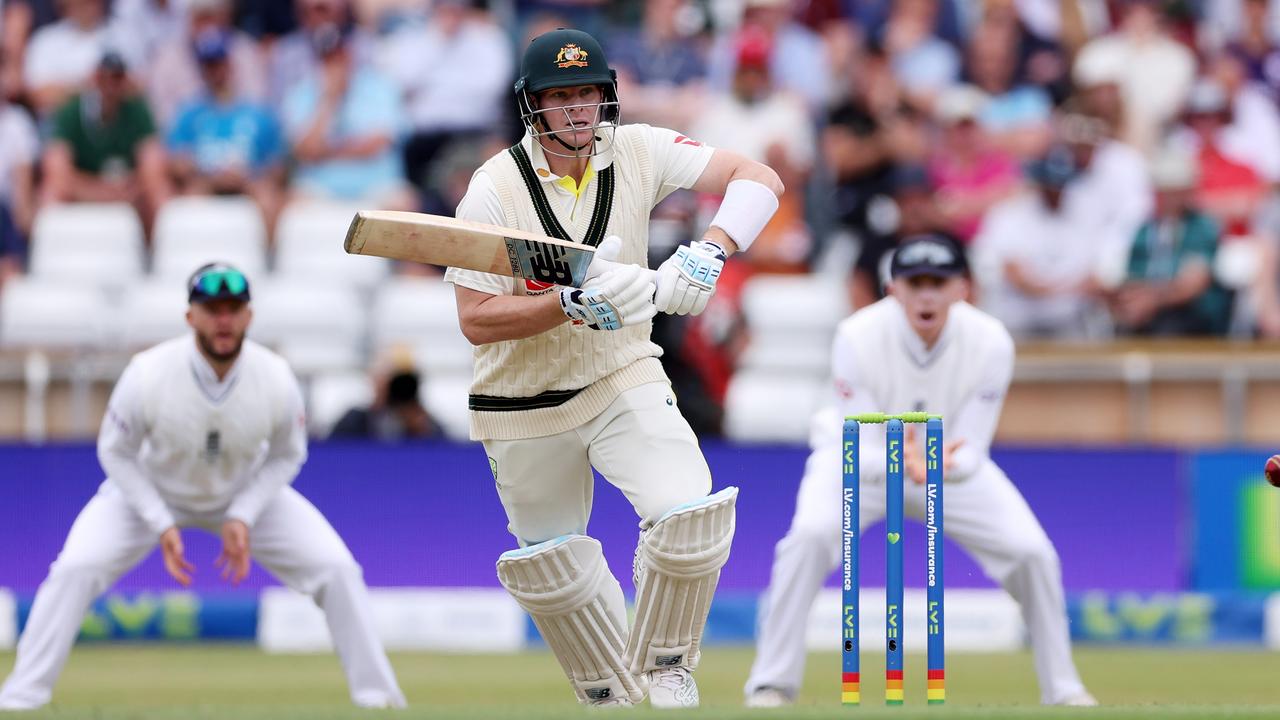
51,315
445,398
333,394
421,313
792,320
769,407
99,242
315,326
152,312
192,231
309,239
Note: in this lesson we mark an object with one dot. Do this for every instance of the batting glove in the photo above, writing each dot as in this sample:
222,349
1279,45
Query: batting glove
619,298
687,280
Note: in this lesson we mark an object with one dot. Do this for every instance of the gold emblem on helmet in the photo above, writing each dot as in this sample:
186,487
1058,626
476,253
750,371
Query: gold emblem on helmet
571,56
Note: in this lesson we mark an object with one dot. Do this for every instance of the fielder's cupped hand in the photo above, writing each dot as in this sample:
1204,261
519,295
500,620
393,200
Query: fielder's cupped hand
234,558
913,457
687,280
175,561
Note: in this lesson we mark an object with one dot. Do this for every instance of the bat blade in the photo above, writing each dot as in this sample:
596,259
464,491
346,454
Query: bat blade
439,240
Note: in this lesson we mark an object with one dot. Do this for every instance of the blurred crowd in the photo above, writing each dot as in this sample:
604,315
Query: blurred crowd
1110,165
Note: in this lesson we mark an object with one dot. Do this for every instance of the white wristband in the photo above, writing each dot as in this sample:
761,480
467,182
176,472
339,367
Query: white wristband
745,210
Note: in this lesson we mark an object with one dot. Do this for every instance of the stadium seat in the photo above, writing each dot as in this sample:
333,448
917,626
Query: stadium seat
770,407
332,394
98,242
791,320
192,231
315,326
309,240
445,398
151,312
51,315
421,313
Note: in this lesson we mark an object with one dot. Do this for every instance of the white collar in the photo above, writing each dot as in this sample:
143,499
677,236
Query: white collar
207,380
538,156
920,354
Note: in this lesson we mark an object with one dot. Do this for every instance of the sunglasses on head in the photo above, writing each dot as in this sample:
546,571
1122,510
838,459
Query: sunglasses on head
213,282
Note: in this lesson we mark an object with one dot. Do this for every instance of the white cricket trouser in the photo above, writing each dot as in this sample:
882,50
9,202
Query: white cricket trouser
984,513
641,444
291,539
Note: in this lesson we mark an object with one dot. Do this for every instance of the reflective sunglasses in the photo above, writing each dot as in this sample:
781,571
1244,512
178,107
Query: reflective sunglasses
212,282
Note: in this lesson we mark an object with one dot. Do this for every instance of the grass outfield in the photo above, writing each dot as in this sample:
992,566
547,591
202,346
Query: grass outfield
238,682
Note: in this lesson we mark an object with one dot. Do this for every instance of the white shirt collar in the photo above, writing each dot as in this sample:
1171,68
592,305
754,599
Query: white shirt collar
923,356
207,380
538,157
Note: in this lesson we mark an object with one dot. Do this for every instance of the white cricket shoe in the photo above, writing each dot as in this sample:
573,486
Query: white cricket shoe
767,697
673,688
1080,699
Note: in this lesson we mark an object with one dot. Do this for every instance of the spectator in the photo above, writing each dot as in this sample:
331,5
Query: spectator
662,66
1154,71
140,28
1035,258
343,123
1016,117
1040,62
396,413
293,59
19,148
772,126
796,58
1170,288
175,79
865,139
1231,21
61,57
223,143
1255,46
923,63
1112,188
444,104
911,210
969,174
104,147
1252,135
1230,188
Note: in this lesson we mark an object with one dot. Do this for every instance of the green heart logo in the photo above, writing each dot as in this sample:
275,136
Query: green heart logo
893,538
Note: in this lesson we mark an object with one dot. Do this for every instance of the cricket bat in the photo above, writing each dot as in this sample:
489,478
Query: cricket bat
438,240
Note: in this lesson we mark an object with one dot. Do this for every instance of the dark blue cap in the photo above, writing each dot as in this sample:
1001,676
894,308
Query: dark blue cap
928,254
212,45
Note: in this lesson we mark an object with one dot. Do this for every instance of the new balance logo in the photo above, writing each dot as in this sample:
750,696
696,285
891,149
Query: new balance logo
668,660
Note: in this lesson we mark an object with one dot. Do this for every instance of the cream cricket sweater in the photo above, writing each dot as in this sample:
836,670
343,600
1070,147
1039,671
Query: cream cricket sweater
562,378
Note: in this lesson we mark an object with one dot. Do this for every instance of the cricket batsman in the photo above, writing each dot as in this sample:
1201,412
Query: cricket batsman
203,431
567,379
920,349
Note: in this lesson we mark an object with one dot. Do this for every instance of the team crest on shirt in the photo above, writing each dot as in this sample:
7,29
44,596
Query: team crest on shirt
571,56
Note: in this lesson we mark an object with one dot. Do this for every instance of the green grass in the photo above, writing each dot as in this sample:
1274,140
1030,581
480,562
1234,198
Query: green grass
235,681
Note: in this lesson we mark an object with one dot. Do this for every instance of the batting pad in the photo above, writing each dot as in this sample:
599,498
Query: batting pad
566,586
678,565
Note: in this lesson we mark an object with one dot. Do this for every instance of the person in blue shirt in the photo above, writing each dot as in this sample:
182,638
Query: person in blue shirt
222,143
343,124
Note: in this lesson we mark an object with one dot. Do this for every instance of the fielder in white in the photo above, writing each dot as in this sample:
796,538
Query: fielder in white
567,379
920,349
203,431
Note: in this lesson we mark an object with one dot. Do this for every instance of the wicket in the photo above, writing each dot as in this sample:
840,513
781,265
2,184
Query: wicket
850,680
